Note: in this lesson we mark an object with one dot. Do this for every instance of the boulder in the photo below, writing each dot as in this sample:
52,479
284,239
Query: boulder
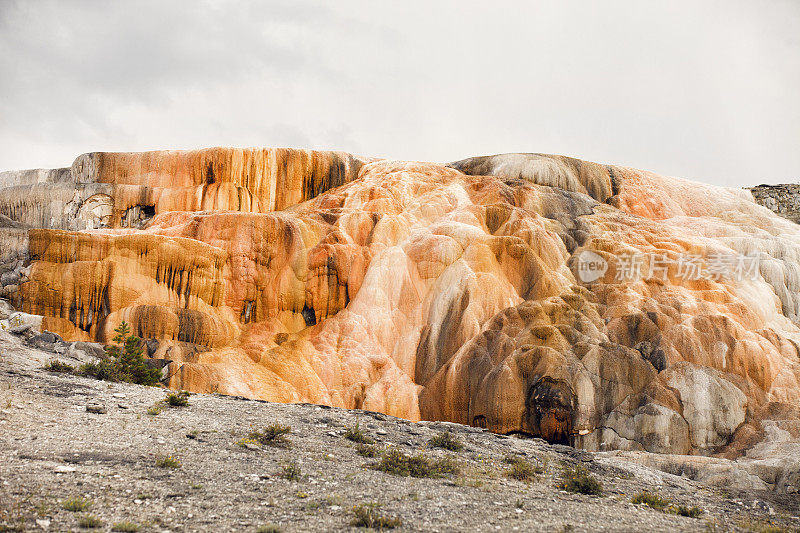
21,322
97,407
6,309
80,350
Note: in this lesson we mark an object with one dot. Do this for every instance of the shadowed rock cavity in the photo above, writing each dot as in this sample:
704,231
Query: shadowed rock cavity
550,408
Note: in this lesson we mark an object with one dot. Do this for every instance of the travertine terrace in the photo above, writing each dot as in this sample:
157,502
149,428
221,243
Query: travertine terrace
426,291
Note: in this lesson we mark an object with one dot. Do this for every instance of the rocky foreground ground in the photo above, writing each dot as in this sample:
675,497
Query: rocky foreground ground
138,464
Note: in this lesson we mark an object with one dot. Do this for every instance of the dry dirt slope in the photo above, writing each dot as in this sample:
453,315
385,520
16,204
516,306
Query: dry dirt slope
52,450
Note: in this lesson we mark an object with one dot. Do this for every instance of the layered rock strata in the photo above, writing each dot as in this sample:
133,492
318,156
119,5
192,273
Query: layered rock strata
450,292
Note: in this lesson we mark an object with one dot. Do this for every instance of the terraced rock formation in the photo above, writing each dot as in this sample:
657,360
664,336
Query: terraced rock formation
590,304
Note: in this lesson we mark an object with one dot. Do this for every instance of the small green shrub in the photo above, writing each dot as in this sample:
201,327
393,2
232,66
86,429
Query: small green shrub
155,409
125,361
684,510
366,450
397,463
651,500
292,472
90,522
520,469
355,434
76,505
446,440
125,527
578,479
54,365
179,399
168,461
273,435
368,515
102,370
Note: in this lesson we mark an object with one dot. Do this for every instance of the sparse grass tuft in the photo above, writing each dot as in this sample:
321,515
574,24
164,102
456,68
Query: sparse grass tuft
76,505
520,469
397,463
579,479
448,441
273,435
173,399
651,500
43,509
269,528
125,527
312,506
366,450
247,441
657,502
90,522
754,525
291,471
368,515
54,365
355,434
685,510
168,461
177,399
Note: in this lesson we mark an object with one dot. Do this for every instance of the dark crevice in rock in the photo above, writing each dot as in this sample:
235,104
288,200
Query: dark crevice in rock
137,216
248,313
309,316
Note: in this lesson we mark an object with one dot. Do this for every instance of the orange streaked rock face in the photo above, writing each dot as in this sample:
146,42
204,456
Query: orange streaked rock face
428,291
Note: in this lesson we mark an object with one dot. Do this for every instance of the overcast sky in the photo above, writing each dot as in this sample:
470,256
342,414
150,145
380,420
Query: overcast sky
707,90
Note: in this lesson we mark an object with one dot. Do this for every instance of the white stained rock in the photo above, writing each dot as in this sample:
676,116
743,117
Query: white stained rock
6,309
713,406
651,427
661,430
23,321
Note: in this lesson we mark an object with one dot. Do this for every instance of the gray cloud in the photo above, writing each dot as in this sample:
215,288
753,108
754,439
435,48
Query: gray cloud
703,90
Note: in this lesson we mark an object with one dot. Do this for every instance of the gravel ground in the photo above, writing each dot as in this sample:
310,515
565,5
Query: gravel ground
53,450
